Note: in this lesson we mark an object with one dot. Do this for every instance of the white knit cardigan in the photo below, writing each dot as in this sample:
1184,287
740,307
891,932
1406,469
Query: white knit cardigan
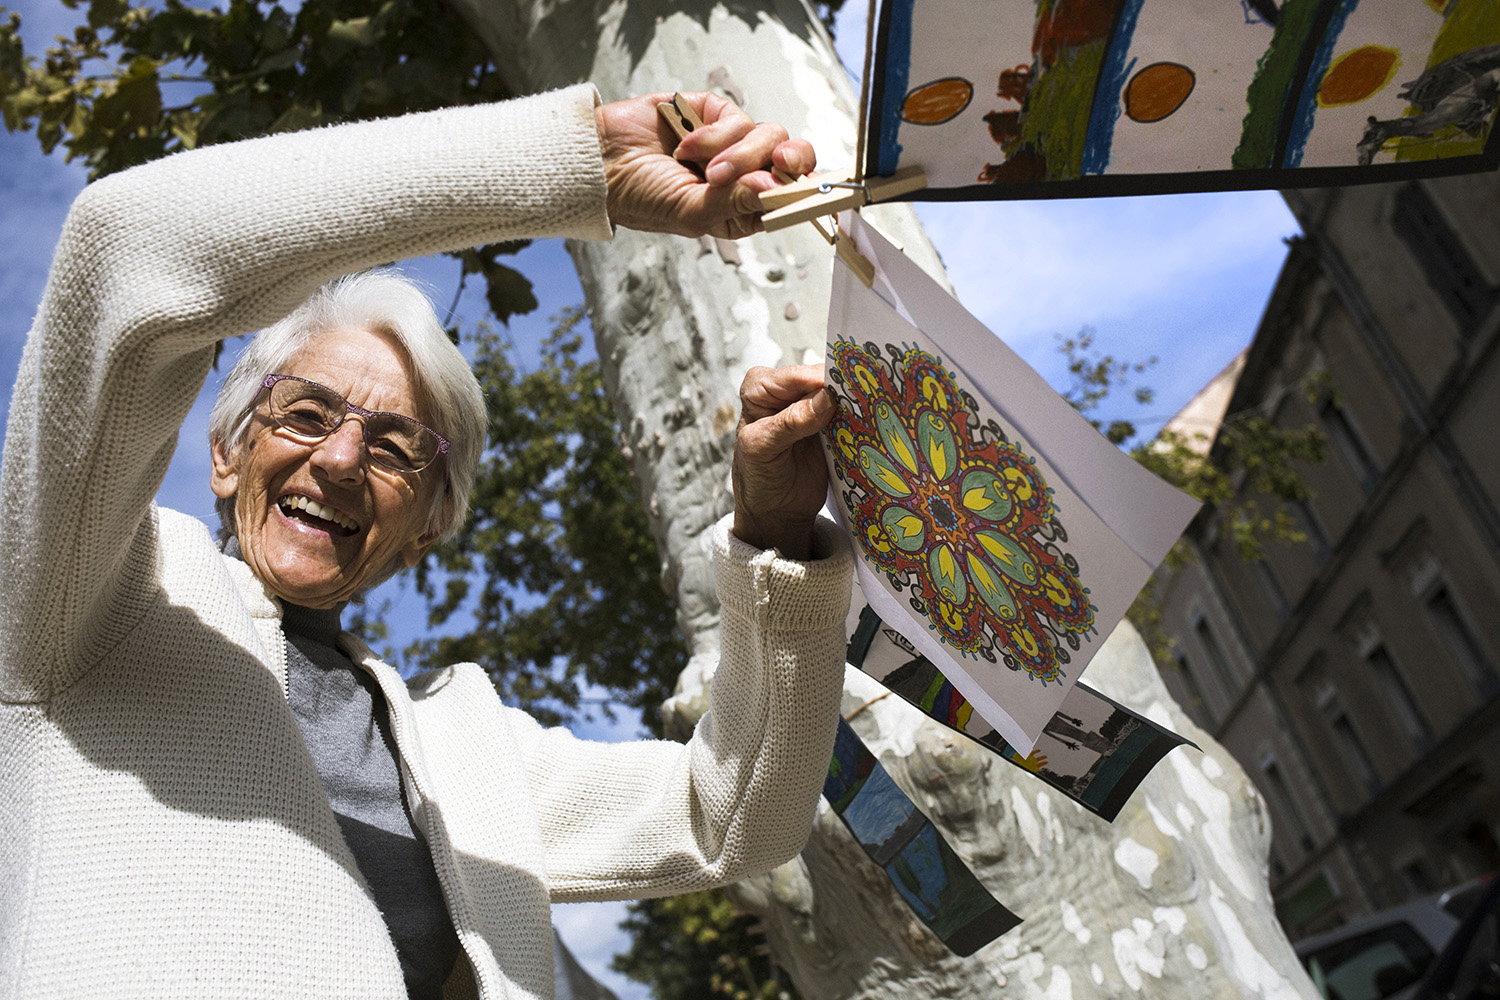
162,830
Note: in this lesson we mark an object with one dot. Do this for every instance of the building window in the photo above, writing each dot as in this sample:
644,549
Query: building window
1349,743
1350,445
1272,587
1309,900
1281,795
1399,696
1449,268
1317,538
1215,654
1195,705
1461,641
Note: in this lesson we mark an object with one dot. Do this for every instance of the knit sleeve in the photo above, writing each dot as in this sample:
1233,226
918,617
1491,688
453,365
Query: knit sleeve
622,821
157,264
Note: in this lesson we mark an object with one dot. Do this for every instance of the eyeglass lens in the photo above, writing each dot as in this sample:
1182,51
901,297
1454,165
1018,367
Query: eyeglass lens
312,411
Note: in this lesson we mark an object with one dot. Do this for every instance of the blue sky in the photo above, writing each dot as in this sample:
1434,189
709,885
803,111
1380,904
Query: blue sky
1183,279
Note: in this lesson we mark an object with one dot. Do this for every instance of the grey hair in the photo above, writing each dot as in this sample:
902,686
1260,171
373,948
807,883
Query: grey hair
384,301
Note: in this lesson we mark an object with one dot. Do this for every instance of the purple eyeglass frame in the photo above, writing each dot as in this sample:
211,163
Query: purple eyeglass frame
349,408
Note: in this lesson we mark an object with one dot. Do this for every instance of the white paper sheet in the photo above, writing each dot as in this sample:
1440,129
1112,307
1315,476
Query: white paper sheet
1000,533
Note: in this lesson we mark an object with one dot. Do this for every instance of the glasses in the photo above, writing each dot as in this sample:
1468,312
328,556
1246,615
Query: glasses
311,412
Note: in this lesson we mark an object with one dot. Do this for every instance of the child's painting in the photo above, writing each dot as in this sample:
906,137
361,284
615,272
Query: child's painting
999,532
1062,98
1094,750
933,880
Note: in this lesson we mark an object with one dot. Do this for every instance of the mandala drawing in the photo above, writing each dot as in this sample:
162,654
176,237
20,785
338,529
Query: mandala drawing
954,513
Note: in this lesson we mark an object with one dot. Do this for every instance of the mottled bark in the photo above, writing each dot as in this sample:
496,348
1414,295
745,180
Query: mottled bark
677,323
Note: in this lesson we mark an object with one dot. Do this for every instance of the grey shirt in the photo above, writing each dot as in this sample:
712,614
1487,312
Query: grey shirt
344,722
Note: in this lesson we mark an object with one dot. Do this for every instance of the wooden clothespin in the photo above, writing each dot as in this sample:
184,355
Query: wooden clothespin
811,198
679,116
682,119
829,194
862,266
843,246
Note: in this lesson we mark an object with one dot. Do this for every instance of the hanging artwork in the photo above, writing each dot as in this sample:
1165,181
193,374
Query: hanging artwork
999,532
1065,98
1093,750
946,500
934,881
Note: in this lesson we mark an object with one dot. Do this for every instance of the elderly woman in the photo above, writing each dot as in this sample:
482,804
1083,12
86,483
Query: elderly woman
208,789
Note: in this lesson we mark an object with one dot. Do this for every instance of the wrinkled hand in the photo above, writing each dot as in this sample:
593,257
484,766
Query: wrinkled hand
652,187
780,480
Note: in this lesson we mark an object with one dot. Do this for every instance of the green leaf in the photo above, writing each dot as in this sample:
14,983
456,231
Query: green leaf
344,36
296,118
12,52
698,945
285,59
133,104
508,291
103,13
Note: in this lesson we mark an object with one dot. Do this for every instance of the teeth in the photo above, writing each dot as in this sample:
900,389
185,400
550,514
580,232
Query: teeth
319,510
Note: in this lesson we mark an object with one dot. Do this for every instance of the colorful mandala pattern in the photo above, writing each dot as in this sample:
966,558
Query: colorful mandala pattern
947,507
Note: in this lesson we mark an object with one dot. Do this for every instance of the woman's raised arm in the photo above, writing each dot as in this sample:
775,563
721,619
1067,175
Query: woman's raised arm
157,264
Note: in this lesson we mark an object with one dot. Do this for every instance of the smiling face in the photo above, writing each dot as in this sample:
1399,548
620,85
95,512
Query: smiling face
318,522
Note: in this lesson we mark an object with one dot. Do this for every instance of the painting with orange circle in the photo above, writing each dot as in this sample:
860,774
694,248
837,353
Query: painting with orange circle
1053,98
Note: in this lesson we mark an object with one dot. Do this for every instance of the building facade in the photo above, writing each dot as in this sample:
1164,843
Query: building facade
1356,675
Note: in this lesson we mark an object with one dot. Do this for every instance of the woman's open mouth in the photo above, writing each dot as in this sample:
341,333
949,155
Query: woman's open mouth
317,515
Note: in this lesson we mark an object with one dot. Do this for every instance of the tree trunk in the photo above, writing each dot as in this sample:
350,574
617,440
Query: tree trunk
677,323
1173,895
